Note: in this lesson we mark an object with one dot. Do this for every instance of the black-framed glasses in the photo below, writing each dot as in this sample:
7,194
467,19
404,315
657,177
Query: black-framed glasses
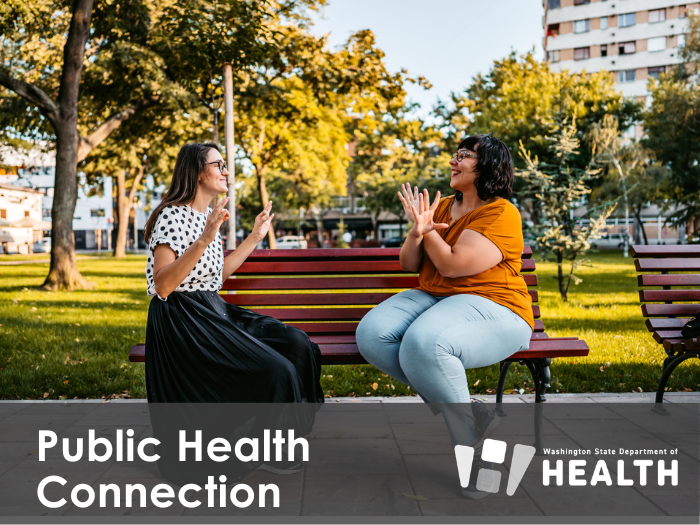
461,155
220,164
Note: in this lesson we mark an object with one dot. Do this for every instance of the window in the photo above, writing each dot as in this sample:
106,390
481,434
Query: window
3,214
657,15
553,30
553,4
656,44
553,56
681,40
604,50
46,213
26,213
582,26
581,2
626,76
97,213
582,53
603,22
627,20
628,48
655,71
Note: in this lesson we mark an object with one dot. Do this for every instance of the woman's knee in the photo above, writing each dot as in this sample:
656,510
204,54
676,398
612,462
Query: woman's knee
372,335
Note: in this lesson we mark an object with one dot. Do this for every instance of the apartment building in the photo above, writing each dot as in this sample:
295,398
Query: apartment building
633,39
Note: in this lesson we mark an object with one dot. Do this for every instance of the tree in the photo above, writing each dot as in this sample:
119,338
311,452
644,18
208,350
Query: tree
672,128
631,173
522,99
130,61
295,113
559,188
396,149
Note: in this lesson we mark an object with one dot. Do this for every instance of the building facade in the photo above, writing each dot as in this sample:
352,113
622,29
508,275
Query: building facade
633,39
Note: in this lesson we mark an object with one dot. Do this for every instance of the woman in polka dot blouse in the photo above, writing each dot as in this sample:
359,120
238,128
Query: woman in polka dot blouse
198,347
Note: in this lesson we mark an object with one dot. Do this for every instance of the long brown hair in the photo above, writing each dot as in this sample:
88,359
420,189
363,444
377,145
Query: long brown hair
191,162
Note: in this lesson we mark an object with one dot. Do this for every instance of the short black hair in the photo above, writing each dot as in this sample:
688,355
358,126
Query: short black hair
494,166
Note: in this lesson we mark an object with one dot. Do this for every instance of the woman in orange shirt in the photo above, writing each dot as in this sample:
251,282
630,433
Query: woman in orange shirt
471,308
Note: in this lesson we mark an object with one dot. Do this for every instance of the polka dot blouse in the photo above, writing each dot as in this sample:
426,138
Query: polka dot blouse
179,227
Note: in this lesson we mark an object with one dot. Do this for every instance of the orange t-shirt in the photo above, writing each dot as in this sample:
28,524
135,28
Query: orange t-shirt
500,223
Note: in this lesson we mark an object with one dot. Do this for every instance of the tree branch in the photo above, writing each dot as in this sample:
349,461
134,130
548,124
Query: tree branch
112,123
33,94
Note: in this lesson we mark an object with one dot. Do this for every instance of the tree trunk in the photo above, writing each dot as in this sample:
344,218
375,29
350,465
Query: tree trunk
375,224
63,271
122,216
265,198
124,204
560,276
640,224
319,226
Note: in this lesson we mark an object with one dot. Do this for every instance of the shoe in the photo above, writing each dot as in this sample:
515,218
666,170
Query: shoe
282,467
483,476
486,420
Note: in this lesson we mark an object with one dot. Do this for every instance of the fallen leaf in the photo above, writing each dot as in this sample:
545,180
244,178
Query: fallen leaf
640,389
602,368
509,391
417,498
65,361
43,356
375,386
33,308
477,382
46,394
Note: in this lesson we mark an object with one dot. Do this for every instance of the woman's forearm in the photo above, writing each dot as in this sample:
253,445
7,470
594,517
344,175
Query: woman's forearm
238,256
169,277
411,253
440,253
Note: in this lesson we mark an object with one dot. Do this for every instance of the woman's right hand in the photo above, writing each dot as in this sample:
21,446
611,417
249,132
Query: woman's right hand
408,200
214,221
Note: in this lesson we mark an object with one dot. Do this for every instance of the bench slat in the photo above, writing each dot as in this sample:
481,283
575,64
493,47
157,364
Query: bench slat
677,345
327,328
644,251
333,266
347,353
332,283
665,310
665,324
669,280
326,254
669,295
667,265
315,299
326,314
321,283
306,299
661,335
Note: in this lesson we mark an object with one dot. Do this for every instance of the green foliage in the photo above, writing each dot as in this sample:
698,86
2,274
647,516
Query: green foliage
558,189
521,99
631,173
672,125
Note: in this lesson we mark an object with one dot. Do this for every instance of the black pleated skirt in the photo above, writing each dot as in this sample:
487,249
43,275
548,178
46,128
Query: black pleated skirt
227,372
200,349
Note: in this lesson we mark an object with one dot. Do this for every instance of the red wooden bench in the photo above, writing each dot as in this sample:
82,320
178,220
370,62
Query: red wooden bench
671,302
326,292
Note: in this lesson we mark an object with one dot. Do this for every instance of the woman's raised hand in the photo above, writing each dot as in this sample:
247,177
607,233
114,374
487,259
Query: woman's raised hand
424,213
262,222
214,221
408,199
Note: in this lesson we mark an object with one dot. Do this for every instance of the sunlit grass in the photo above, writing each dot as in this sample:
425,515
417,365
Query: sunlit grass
95,330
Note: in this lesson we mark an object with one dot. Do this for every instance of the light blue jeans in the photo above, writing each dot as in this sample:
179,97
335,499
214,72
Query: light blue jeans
427,342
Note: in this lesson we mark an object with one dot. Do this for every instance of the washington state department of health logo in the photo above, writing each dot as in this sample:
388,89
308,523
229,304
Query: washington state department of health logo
493,451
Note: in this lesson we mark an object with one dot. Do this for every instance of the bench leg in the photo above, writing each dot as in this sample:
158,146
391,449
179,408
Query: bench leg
539,368
670,365
505,366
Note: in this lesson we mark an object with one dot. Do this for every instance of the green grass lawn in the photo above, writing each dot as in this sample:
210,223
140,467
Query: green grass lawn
75,344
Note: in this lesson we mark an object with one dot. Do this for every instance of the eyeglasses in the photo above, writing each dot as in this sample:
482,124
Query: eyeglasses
461,155
220,164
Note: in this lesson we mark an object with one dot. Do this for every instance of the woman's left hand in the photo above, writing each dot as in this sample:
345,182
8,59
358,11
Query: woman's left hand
262,222
424,215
